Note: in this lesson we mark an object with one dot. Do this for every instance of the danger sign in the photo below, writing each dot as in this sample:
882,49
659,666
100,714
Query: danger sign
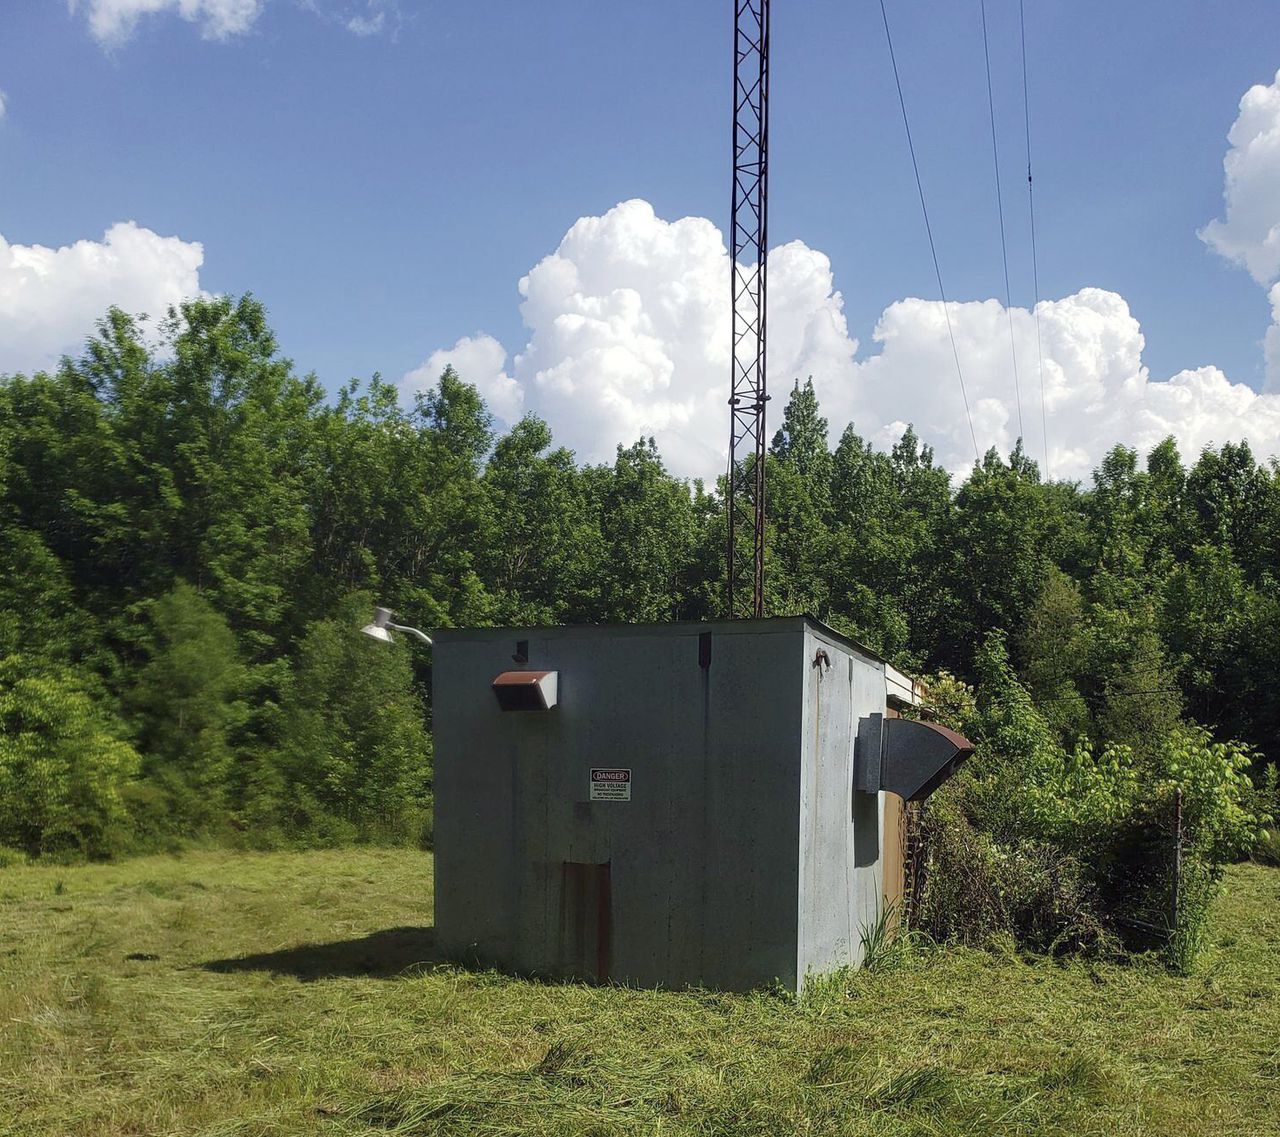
610,785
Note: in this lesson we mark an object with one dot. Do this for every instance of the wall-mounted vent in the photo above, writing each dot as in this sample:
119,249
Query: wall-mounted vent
905,757
527,690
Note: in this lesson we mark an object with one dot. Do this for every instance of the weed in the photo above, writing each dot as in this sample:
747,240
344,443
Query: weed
883,942
913,1089
1196,891
842,1065
1267,851
1078,1073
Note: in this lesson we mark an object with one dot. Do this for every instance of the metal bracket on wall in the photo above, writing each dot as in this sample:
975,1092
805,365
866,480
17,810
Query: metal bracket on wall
868,748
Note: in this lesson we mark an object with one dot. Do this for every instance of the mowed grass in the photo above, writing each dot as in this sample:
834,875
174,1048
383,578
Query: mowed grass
296,993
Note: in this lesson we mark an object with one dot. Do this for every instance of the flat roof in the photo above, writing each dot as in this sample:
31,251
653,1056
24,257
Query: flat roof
902,688
768,624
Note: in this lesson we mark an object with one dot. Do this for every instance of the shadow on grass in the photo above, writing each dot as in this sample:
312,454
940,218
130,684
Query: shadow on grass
388,954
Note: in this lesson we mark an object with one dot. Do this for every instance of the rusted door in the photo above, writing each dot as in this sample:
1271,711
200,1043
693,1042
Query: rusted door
586,921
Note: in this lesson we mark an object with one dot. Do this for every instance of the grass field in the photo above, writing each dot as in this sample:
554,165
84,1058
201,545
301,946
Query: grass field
294,993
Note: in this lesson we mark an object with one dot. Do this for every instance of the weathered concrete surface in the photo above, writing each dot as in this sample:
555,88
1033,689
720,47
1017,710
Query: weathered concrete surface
841,873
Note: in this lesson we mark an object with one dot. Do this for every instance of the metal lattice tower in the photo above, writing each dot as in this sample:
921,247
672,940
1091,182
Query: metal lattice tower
745,498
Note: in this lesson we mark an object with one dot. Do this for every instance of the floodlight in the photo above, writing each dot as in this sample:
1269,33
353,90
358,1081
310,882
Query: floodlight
381,627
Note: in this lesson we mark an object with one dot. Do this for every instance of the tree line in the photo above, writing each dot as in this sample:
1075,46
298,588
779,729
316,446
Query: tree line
191,532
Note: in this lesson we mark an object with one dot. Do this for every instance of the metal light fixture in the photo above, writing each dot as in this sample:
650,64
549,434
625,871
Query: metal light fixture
381,627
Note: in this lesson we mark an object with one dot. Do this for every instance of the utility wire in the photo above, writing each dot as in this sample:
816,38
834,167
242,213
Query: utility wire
1035,268
1146,694
1004,247
915,166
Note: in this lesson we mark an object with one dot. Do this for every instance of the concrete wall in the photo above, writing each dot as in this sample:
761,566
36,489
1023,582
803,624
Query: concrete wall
703,862
841,873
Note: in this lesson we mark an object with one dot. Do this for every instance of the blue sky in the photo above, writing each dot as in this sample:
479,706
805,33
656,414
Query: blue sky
384,193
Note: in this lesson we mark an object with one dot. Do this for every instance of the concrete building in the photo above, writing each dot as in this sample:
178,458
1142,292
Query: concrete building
669,804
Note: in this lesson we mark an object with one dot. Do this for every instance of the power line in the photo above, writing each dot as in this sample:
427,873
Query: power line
915,166
1151,693
1143,674
1004,247
1031,203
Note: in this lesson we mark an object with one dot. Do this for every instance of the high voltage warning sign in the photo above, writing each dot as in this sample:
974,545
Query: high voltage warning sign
610,785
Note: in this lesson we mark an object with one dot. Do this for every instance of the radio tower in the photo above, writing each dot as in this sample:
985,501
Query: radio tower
749,229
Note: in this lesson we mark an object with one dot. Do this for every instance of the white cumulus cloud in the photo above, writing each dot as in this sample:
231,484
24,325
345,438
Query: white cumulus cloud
1097,390
628,335
50,298
481,360
3,104
1272,343
113,21
1250,234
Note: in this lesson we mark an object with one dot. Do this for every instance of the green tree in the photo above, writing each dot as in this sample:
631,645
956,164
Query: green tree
38,613
238,423
1128,682
187,705
802,441
870,548
355,757
1052,646
1206,622
647,529
398,507
797,542
542,562
798,479
136,472
990,562
1232,501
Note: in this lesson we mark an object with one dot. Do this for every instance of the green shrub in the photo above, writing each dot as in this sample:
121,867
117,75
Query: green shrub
1075,848
156,817
62,765
1267,850
1217,792
978,890
1266,807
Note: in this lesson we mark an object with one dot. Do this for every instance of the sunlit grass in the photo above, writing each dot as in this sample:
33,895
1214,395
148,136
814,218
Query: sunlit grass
296,993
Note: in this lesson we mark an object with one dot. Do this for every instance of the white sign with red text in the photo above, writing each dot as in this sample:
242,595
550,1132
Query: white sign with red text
610,785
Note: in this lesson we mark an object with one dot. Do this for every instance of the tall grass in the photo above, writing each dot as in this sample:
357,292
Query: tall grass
300,993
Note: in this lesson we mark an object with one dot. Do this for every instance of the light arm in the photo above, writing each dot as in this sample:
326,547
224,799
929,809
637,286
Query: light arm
380,628
426,639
